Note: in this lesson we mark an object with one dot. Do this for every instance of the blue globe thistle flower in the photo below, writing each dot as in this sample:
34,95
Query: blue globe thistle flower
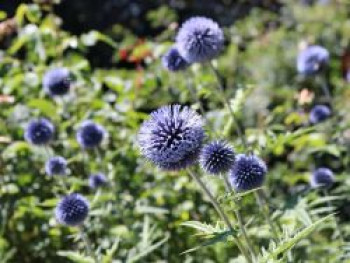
312,59
172,137
322,177
173,61
56,82
39,132
56,166
247,173
199,39
319,113
216,157
97,180
90,134
72,210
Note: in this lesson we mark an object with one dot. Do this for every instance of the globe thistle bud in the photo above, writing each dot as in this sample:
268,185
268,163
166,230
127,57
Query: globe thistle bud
199,39
39,132
90,134
312,59
173,61
319,113
97,180
56,166
216,157
322,177
172,137
56,82
247,173
72,210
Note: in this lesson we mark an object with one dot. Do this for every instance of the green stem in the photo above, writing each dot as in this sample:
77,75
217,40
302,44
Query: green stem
220,212
239,128
240,219
341,237
87,244
260,196
195,97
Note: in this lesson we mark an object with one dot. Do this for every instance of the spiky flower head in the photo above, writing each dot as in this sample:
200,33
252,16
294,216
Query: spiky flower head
247,173
319,113
72,210
172,137
56,166
216,157
322,177
312,59
199,39
39,131
173,61
90,134
56,82
97,180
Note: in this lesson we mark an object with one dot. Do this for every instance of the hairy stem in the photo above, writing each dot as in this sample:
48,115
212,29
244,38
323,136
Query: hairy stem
260,196
87,244
220,212
240,219
239,128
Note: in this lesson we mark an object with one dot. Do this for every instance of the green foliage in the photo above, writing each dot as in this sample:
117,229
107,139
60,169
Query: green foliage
147,215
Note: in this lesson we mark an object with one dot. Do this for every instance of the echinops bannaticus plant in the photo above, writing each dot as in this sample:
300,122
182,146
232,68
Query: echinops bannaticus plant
39,131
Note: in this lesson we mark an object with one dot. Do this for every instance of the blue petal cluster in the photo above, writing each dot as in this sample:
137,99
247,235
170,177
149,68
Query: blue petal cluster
199,39
97,180
319,113
247,173
56,166
173,61
56,82
312,59
90,134
322,177
72,210
39,132
217,157
172,137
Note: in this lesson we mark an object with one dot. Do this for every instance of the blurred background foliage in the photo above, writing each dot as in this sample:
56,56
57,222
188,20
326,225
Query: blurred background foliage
113,51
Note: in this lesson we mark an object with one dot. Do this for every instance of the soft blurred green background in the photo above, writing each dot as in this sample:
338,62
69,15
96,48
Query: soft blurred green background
118,79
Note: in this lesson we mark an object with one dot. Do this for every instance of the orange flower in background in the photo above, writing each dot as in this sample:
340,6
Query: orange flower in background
7,99
305,96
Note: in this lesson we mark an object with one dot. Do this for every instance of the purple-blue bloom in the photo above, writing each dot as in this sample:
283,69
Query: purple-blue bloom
56,82
319,113
97,180
39,132
173,61
199,39
312,59
247,173
322,177
216,157
56,166
172,137
90,134
72,210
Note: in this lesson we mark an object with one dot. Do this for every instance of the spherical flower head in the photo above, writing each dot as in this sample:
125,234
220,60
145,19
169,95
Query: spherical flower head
322,177
90,134
56,82
172,137
319,113
39,132
312,60
56,166
247,173
216,157
97,180
199,39
72,210
173,61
